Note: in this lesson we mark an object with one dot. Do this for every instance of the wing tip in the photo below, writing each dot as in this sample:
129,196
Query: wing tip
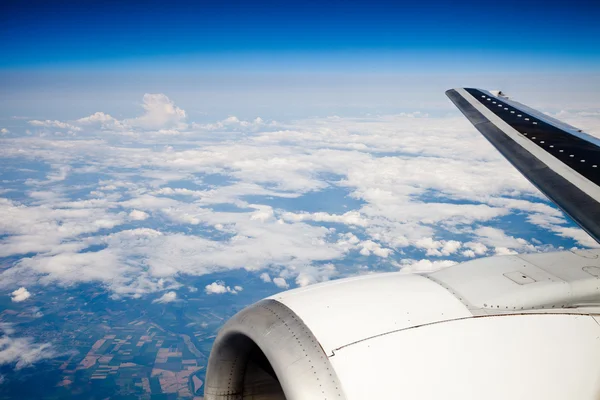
449,92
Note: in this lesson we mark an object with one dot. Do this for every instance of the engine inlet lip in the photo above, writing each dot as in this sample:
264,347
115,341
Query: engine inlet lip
295,355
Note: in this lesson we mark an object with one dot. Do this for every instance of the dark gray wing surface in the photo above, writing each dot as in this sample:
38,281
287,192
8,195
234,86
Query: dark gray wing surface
561,161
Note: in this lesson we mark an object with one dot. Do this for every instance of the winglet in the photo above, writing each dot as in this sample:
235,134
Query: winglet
560,160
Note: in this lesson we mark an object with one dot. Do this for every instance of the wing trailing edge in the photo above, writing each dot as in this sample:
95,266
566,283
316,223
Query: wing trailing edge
560,160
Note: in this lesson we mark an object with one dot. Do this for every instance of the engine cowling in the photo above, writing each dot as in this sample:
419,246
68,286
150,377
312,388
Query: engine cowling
495,328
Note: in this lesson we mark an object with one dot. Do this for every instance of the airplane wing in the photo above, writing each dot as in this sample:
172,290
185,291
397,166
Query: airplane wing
560,160
502,327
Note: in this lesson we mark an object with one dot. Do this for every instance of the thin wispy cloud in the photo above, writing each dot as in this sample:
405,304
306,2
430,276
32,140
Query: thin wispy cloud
168,297
22,352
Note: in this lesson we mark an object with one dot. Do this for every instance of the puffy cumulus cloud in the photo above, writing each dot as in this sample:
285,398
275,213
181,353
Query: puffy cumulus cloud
477,248
215,288
96,117
265,277
438,247
263,213
168,297
21,352
280,283
21,294
106,121
369,247
138,215
503,251
468,253
310,274
304,279
4,131
161,116
160,112
219,287
348,241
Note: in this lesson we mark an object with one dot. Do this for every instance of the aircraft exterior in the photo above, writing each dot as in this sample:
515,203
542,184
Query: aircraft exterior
505,327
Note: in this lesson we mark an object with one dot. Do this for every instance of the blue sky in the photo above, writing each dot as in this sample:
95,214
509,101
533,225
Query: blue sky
272,35
290,59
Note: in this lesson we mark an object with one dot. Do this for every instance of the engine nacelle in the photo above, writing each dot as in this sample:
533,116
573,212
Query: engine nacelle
494,328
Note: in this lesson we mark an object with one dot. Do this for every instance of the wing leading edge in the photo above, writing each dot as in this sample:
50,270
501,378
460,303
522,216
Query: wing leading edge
561,161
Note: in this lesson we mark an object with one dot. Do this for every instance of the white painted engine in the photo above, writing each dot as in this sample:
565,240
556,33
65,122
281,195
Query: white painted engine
512,327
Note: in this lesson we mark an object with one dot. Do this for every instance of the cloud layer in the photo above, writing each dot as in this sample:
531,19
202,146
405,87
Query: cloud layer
137,203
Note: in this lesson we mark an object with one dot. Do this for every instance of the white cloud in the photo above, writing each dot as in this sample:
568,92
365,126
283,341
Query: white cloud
469,253
499,239
263,214
477,248
160,112
106,121
400,185
168,297
309,274
304,279
138,215
368,247
451,247
96,117
438,247
234,123
219,287
160,116
54,124
265,277
21,351
554,224
425,265
280,283
503,251
51,228
21,294
348,218
4,131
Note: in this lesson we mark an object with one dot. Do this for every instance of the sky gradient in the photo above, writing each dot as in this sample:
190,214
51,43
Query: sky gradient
305,35
284,60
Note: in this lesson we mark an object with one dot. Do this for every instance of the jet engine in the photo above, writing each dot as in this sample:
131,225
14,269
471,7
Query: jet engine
507,327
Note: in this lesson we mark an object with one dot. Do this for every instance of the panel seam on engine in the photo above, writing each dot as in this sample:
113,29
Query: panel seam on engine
455,320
